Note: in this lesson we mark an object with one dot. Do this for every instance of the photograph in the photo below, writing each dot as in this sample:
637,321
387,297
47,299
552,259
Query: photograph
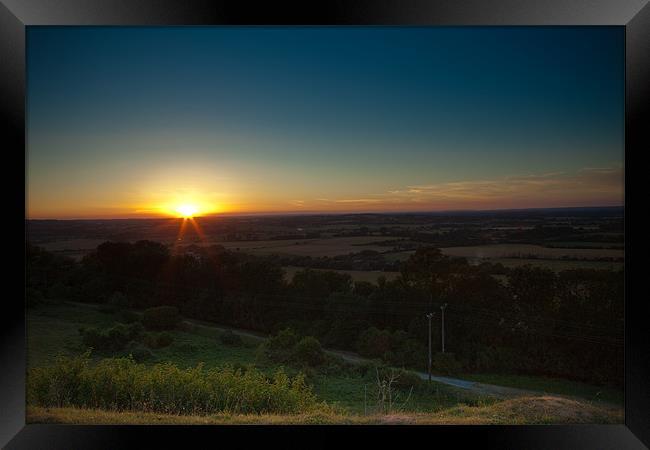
325,225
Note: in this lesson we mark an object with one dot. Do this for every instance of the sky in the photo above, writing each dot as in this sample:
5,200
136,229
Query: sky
136,121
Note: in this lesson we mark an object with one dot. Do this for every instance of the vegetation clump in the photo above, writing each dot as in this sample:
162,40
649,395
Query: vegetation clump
308,351
122,384
158,340
396,348
446,364
287,347
229,338
161,318
138,352
110,339
521,321
127,316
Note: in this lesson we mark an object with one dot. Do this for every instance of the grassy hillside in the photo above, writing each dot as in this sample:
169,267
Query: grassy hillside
552,385
53,330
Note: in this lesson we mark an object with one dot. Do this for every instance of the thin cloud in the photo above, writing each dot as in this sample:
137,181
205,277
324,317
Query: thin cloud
586,187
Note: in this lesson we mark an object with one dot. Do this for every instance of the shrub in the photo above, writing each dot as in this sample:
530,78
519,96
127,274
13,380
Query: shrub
123,384
229,338
165,340
126,316
308,351
335,365
374,343
93,291
161,318
140,353
279,348
368,369
110,339
496,358
159,340
406,351
398,348
284,340
446,364
408,380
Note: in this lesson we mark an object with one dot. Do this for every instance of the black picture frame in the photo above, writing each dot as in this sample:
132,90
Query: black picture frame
634,15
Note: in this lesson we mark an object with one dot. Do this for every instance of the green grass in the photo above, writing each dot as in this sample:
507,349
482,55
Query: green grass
553,385
191,348
53,330
348,393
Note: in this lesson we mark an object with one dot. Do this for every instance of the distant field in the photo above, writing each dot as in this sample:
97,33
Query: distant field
72,244
73,248
370,276
580,244
308,247
398,256
510,255
557,265
510,250
77,248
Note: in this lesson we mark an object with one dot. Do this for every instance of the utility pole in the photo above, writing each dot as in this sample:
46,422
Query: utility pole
442,308
429,316
365,402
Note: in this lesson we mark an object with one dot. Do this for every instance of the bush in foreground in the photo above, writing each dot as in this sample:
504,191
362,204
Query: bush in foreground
121,384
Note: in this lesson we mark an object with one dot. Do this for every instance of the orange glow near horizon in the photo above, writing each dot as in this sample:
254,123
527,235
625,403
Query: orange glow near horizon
199,198
187,210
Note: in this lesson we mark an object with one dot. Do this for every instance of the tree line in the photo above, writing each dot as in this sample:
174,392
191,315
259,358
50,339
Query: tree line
528,321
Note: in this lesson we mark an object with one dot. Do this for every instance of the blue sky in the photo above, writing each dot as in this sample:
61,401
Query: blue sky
124,120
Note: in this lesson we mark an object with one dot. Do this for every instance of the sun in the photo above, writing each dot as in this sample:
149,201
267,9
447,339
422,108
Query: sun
187,210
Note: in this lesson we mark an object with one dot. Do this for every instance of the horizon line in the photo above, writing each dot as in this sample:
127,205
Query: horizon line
332,213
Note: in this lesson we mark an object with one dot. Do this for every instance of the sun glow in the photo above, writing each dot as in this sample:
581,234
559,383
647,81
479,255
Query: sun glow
187,210
181,203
